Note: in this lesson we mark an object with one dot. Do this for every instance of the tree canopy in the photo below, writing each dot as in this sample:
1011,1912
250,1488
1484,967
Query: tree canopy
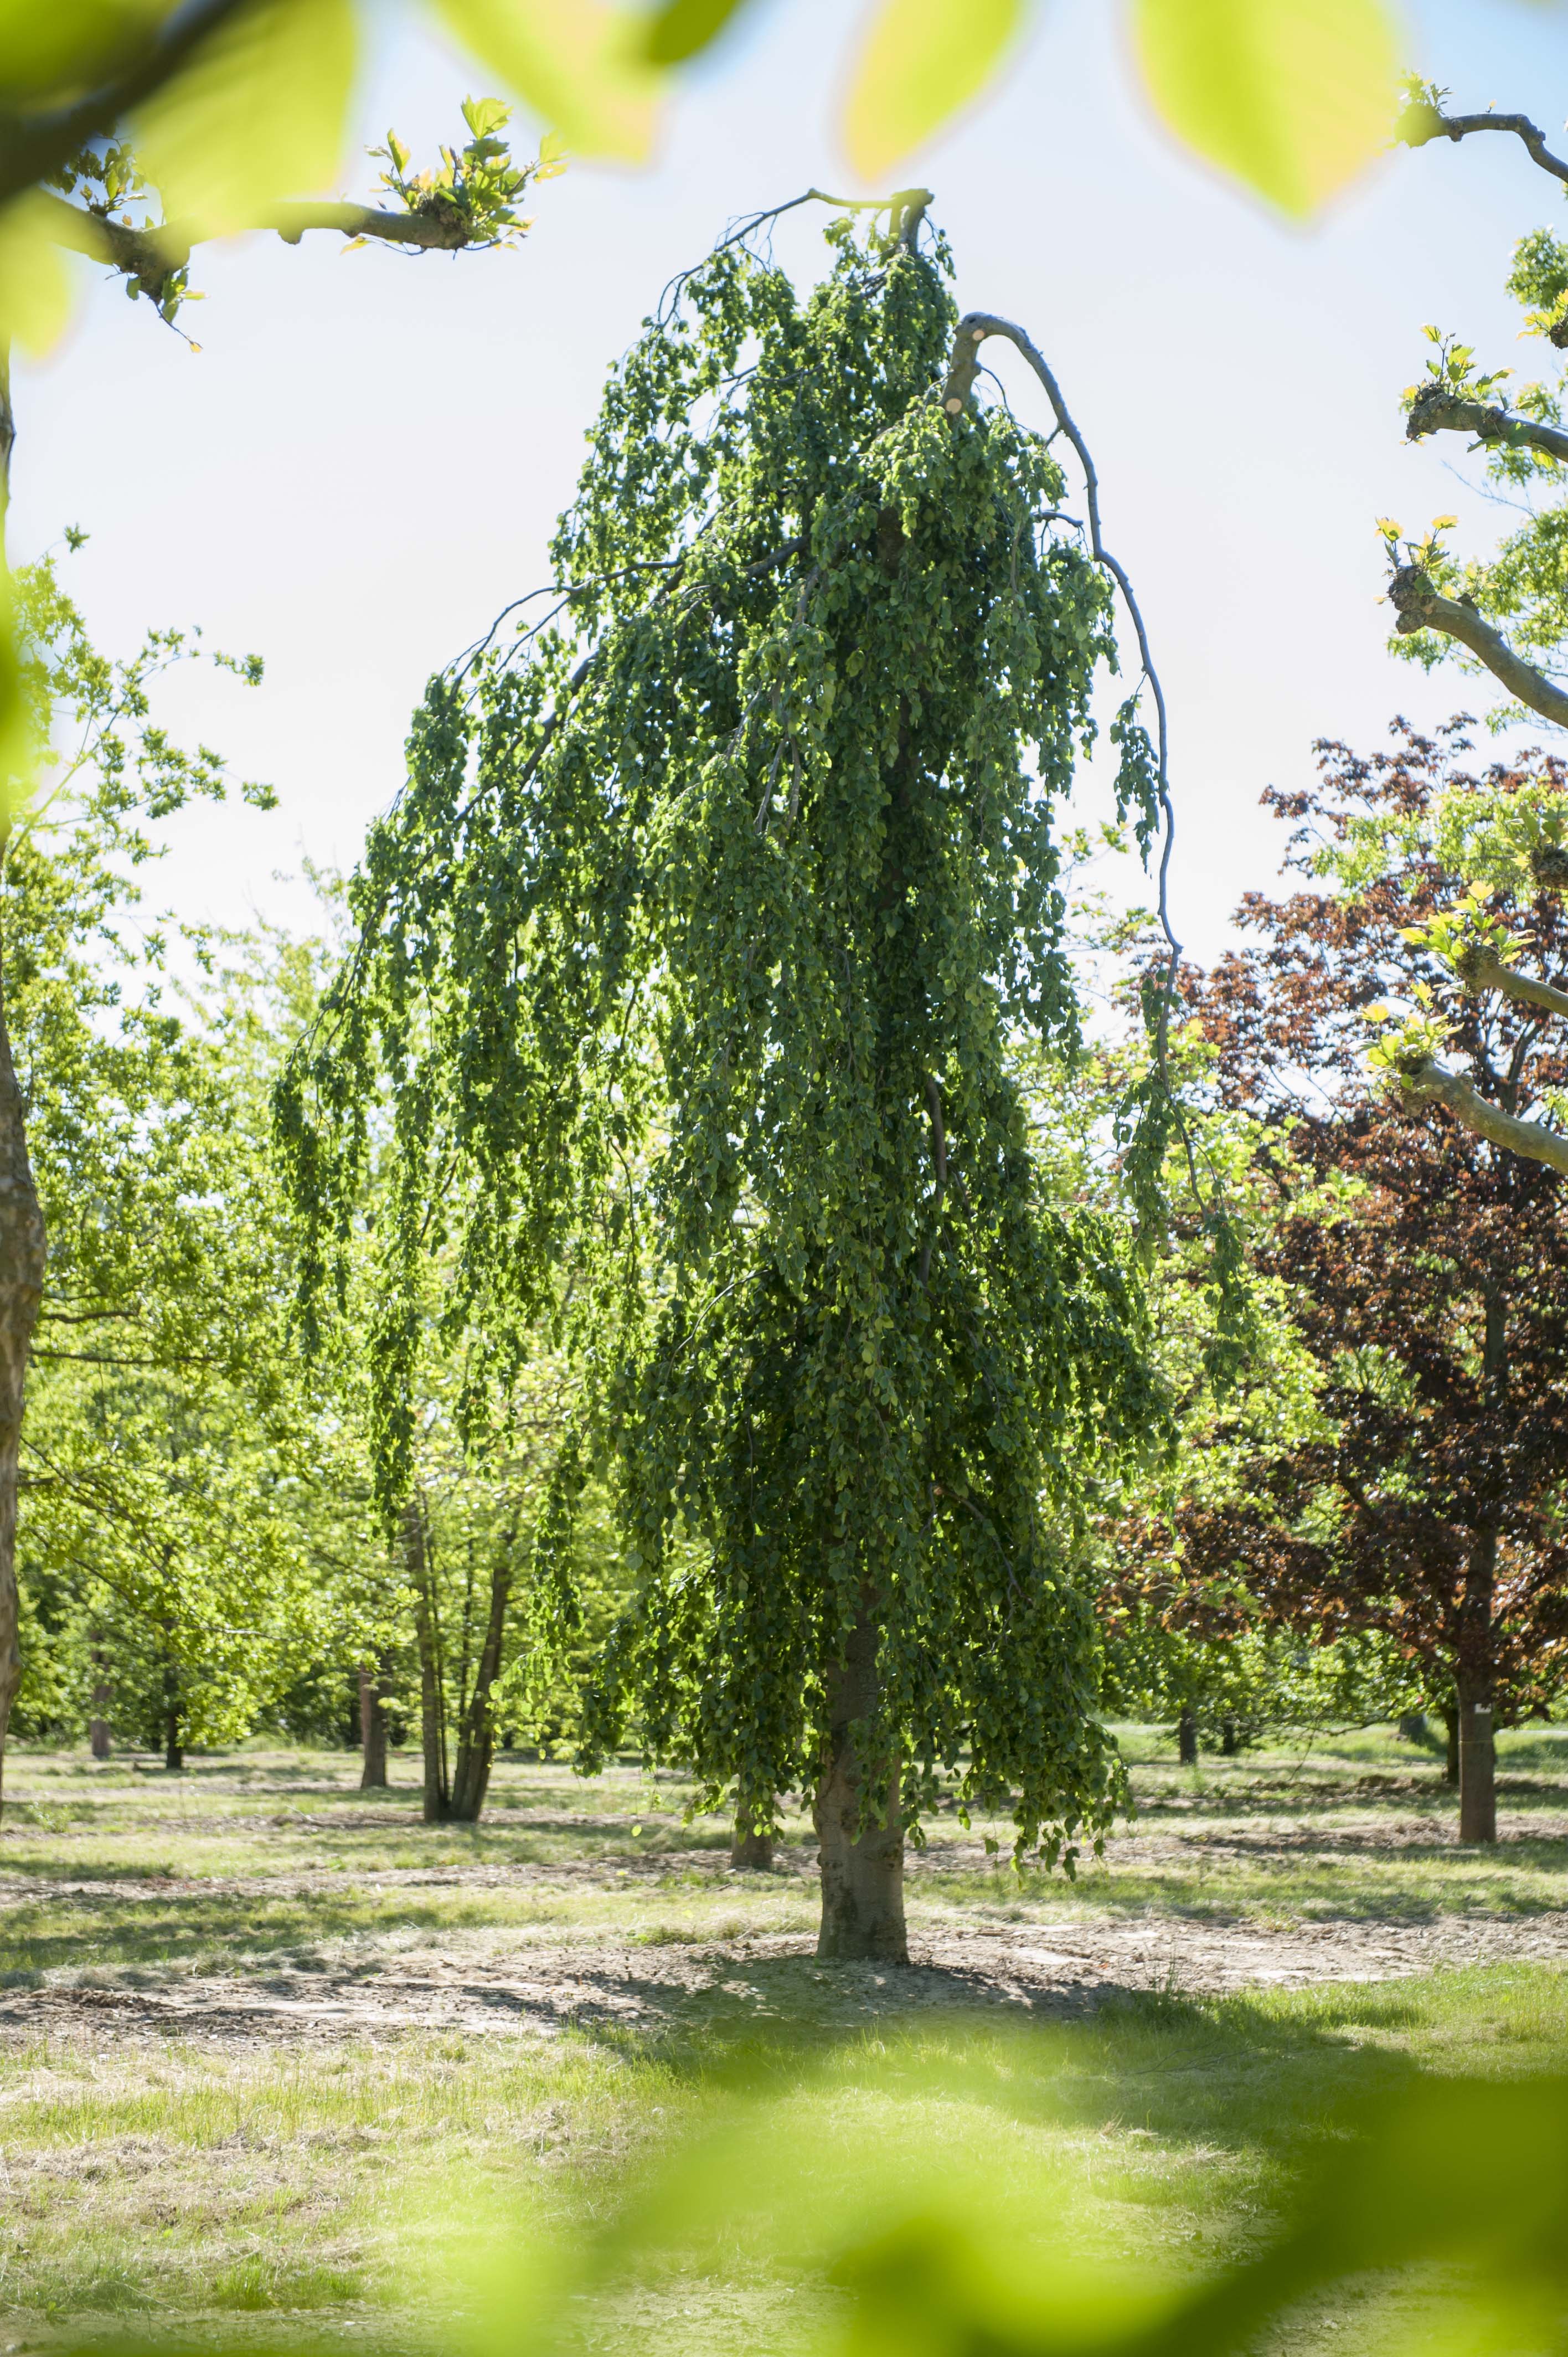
689,968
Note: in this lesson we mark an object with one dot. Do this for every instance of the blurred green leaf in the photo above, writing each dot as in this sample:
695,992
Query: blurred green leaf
1294,98
64,47
684,28
258,115
34,284
576,63
921,62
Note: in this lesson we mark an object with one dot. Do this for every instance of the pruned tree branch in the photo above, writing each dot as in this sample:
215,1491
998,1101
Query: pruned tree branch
1420,123
1421,606
1435,410
1429,1084
1481,969
150,254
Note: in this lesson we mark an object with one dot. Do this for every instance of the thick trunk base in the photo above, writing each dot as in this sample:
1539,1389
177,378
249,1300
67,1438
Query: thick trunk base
98,1739
862,1862
1186,1739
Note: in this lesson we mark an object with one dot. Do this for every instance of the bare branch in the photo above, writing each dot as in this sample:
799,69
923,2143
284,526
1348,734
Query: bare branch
1435,410
1429,1084
1420,607
1482,970
151,254
1420,123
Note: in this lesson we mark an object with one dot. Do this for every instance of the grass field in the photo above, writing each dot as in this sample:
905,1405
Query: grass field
273,2053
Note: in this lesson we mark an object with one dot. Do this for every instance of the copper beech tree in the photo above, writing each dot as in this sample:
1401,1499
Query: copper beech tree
1432,1504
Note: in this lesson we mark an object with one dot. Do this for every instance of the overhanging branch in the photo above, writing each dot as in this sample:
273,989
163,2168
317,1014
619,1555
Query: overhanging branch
1420,123
1434,410
150,254
1429,1084
1483,970
1421,607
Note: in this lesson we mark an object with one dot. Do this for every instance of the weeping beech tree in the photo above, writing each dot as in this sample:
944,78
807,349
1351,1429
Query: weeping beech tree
690,969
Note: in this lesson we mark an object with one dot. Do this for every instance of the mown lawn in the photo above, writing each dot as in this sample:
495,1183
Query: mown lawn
242,2181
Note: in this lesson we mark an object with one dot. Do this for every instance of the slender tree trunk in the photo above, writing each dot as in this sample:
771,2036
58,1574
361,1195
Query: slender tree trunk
477,1735
98,1725
1229,1742
432,1700
751,1853
174,1749
1187,1738
1451,1745
1473,1690
862,1863
372,1730
21,1234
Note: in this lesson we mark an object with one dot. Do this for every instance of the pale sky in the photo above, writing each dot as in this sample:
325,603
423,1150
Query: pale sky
364,464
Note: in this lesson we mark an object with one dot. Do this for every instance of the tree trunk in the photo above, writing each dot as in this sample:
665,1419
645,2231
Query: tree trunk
21,1255
1412,1727
372,1730
1229,1742
1477,1762
751,1853
862,1863
1451,1747
477,1734
1472,1683
437,1806
174,1749
98,1725
1187,1738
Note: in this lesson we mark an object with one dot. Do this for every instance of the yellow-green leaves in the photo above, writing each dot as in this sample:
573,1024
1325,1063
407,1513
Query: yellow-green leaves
922,60
258,115
35,291
1292,98
682,28
578,63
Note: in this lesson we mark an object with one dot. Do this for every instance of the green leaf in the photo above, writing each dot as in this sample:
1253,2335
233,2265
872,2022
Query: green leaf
258,115
682,28
47,51
921,62
575,62
1294,98
34,285
485,115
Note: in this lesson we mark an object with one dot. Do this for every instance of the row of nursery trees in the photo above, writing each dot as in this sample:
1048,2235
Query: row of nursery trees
668,1267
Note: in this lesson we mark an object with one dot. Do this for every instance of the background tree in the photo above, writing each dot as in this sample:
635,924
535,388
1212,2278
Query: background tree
1430,1284
687,965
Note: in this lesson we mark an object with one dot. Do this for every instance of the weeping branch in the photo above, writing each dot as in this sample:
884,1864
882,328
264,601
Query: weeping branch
1429,1084
1421,606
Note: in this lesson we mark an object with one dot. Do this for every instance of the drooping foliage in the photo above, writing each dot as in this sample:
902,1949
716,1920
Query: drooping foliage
690,969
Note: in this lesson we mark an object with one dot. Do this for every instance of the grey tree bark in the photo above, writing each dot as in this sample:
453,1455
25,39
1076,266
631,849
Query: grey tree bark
862,1861
1187,1738
98,1725
372,1728
1451,1747
476,1728
751,1853
437,1803
22,1247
